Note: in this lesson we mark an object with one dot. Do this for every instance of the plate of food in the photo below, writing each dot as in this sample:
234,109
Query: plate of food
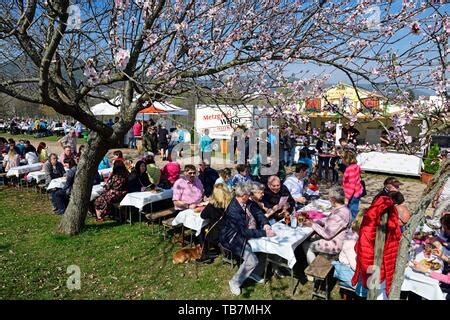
431,264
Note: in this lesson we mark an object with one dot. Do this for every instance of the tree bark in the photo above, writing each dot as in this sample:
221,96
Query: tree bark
417,217
75,214
380,239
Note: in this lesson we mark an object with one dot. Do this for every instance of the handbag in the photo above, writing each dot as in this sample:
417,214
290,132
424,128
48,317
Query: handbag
364,191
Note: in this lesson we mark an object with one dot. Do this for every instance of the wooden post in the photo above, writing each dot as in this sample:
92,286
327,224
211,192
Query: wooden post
378,257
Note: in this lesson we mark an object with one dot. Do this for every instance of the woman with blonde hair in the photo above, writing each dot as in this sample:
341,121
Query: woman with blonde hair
351,182
12,159
214,211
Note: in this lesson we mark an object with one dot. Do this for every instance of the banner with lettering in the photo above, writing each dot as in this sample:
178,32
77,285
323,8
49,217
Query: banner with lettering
221,119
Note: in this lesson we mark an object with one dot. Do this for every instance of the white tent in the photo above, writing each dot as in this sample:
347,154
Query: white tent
160,108
107,109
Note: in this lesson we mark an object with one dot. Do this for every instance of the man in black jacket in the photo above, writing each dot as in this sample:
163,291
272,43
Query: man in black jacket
272,195
208,177
242,223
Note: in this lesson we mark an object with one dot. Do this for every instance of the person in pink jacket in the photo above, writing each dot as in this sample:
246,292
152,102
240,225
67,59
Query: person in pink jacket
331,232
351,182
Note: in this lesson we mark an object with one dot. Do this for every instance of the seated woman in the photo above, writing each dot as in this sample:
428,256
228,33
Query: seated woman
444,277
12,158
114,190
153,171
53,169
61,196
240,225
330,233
224,177
344,268
170,173
138,179
42,152
31,157
214,212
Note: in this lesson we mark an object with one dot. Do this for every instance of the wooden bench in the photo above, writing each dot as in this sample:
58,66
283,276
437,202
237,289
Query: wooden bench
320,270
40,188
167,225
159,215
346,292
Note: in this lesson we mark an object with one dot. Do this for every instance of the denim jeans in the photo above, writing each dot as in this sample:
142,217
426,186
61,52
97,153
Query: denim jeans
288,156
60,199
353,205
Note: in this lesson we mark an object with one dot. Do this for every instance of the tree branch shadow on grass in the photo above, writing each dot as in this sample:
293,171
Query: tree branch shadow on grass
5,247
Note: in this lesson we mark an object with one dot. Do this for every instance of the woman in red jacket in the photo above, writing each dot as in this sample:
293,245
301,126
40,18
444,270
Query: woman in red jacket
351,182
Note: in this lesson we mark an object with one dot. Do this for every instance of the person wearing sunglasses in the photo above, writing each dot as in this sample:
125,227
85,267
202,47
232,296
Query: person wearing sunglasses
188,190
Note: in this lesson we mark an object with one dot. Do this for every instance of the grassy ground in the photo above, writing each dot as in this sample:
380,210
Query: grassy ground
17,137
116,261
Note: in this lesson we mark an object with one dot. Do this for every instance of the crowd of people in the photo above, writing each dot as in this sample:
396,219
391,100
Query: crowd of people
40,127
242,203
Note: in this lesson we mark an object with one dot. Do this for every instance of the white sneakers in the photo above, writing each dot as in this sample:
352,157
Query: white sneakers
257,278
234,288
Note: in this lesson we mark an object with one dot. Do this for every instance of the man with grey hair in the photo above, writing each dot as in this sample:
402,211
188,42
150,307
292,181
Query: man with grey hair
277,199
242,223
329,234
69,140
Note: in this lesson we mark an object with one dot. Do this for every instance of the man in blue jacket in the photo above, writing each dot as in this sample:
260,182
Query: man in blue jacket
244,220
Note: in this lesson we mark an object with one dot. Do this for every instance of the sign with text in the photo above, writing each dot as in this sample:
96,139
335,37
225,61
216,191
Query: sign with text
221,119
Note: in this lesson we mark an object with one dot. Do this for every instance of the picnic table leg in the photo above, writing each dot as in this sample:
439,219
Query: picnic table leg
265,267
129,210
182,236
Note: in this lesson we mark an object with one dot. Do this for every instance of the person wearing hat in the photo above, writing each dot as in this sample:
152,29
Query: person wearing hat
391,184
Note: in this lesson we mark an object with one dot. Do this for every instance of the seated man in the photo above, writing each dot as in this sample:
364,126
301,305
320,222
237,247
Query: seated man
242,224
53,169
187,190
273,193
66,156
208,177
295,183
61,197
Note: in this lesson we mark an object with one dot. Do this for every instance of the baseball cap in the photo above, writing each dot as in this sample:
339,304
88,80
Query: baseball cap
393,181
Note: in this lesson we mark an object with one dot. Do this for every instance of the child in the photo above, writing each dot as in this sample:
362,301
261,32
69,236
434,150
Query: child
312,190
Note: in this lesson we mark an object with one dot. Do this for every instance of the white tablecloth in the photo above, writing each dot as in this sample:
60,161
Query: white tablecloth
104,173
287,239
140,199
57,183
37,176
190,219
17,171
421,284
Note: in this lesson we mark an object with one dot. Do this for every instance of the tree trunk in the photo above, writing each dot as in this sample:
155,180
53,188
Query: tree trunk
417,215
380,239
75,214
